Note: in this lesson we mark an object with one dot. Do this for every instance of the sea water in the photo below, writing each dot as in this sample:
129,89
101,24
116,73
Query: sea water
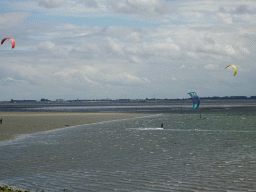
211,153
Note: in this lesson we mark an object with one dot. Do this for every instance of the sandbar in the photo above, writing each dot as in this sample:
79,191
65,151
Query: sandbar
16,123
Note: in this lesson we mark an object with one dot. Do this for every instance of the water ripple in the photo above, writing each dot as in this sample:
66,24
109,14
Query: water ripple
135,155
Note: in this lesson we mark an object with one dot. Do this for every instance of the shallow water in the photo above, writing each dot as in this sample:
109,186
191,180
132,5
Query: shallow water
212,153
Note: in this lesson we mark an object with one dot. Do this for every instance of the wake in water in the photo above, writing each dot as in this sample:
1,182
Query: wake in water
145,129
190,130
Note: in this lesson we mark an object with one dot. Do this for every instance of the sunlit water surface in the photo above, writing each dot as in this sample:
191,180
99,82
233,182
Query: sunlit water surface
212,153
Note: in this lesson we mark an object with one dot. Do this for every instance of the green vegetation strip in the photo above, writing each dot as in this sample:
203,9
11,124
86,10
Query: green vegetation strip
9,189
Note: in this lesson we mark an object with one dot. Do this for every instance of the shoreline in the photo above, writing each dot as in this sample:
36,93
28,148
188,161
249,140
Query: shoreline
17,123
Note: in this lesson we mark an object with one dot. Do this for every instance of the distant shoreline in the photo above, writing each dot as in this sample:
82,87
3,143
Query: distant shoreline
125,103
99,107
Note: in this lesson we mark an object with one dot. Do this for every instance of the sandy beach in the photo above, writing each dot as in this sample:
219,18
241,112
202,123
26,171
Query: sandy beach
16,123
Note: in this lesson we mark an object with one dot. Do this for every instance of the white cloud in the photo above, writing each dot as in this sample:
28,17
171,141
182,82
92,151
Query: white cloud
225,17
74,8
182,66
115,46
145,45
193,14
211,66
135,59
143,8
192,55
248,18
126,77
99,76
50,47
133,37
15,82
229,49
8,79
8,20
47,45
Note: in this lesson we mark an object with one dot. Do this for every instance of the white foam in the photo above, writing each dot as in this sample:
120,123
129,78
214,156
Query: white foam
145,129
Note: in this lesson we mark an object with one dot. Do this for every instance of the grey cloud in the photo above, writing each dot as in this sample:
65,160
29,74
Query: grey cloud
222,9
241,9
51,3
90,3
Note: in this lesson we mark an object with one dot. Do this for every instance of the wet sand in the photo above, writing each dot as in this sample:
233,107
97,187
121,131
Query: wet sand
16,123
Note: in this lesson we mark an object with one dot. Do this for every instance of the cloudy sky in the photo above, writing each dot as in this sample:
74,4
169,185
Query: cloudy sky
134,49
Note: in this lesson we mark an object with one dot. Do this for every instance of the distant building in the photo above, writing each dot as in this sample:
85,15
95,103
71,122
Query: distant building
22,101
59,100
43,99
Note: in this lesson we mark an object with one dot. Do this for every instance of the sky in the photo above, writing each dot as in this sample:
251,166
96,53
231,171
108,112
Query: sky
127,49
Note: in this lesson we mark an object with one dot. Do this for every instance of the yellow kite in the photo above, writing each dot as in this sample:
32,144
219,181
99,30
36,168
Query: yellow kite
234,68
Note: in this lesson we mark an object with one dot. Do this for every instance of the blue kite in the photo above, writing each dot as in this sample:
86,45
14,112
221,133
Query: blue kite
196,100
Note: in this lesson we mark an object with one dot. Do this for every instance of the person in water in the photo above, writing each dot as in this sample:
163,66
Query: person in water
162,125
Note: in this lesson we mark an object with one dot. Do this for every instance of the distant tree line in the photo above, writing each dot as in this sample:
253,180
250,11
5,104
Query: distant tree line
133,100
